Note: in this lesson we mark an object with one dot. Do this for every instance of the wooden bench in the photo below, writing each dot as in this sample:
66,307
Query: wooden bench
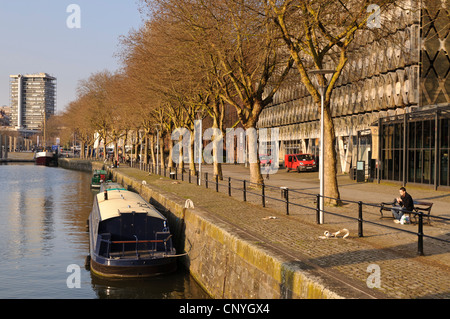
419,206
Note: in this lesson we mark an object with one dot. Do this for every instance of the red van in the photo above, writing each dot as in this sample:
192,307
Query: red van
300,162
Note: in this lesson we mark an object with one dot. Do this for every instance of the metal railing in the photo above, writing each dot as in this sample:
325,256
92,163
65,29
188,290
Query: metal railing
144,243
287,199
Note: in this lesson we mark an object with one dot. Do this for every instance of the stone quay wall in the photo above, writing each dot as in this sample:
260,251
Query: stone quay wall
224,260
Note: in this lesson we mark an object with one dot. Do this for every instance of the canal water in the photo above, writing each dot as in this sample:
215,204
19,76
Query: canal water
44,242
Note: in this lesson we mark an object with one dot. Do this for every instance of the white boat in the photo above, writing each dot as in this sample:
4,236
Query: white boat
45,158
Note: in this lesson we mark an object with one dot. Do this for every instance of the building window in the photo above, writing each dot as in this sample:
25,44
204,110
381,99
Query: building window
392,152
444,152
421,154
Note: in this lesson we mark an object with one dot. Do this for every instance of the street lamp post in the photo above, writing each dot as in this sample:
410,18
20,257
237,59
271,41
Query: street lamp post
322,90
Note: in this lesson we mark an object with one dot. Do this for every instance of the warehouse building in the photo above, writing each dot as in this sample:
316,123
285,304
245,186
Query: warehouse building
390,107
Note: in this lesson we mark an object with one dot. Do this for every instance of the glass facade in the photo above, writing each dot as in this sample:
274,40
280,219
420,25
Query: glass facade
392,152
422,154
444,152
421,151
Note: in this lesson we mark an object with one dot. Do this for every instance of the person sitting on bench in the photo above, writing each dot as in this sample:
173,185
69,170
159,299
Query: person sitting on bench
402,204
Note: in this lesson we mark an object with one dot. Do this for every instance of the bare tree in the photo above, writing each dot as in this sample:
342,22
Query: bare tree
75,120
318,35
241,40
163,60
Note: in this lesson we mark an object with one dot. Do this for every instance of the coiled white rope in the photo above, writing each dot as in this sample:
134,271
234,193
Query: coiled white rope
335,235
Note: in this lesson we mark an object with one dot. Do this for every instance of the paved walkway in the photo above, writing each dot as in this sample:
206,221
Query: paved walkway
402,273
349,189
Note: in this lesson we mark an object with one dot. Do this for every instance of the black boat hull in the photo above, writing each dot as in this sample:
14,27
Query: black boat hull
46,161
133,268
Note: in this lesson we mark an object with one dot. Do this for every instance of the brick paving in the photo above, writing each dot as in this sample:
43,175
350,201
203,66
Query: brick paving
403,274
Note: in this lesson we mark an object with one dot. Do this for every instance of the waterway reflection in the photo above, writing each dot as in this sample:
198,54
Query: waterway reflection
43,214
172,286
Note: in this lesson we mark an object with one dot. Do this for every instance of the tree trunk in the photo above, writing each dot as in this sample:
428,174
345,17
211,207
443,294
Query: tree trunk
145,152
330,160
161,152
217,142
97,150
217,164
191,152
136,148
82,152
170,159
105,155
181,156
152,149
105,143
124,152
116,150
255,168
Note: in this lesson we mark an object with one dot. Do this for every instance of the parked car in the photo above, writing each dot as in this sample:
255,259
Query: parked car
300,162
265,159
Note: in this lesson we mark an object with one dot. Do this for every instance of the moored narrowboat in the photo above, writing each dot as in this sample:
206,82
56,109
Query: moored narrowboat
98,177
128,236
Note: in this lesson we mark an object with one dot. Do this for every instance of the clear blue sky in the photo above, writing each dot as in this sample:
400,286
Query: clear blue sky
35,38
